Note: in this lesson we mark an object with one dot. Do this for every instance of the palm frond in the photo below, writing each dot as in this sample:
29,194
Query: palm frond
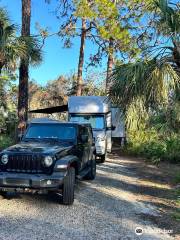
151,80
169,21
34,50
136,114
4,16
14,48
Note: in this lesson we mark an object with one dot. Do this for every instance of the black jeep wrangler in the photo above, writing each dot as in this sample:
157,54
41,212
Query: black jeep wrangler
50,156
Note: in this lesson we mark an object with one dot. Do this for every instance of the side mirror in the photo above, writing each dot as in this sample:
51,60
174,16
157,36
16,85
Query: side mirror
84,138
112,128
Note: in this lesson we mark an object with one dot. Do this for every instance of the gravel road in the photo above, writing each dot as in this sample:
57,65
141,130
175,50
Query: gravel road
107,208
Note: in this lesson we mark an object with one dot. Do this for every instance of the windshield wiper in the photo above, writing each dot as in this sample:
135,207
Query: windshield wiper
49,139
31,139
60,140
98,129
52,139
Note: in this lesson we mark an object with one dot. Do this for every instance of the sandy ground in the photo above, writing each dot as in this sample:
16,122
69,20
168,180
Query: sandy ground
110,207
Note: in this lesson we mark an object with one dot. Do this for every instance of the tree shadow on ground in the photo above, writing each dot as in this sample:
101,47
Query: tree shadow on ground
151,178
135,188
162,173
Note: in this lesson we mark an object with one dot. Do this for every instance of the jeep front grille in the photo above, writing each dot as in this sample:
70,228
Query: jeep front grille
25,164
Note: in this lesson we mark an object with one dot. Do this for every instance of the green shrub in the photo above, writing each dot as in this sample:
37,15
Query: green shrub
176,179
155,149
5,141
155,146
176,215
173,149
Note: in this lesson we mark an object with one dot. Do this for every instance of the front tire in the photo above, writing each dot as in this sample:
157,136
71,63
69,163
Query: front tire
4,194
68,187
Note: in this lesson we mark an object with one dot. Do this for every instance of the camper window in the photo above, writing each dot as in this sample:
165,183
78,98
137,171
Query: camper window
96,121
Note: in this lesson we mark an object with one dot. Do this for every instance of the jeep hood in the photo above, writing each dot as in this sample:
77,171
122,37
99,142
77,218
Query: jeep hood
38,147
99,134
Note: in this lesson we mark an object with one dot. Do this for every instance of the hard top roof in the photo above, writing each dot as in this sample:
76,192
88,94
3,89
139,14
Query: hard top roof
89,104
53,121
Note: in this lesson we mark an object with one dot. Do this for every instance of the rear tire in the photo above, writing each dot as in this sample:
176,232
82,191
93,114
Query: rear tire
103,158
92,172
68,187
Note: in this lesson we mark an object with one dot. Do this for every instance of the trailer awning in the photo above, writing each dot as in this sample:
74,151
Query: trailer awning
57,109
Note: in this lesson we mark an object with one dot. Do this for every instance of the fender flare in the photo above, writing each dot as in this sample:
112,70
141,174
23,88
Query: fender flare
65,162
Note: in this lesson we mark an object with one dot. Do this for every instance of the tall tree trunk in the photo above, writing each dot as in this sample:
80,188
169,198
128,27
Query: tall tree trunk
0,69
81,58
110,63
176,54
24,68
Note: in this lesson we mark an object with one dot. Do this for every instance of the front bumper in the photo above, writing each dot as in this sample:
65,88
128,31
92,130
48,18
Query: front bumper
100,148
31,181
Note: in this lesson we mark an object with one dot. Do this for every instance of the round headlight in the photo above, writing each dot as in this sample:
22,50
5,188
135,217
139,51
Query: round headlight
101,138
4,159
48,161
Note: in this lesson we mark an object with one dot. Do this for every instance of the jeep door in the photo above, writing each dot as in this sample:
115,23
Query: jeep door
84,148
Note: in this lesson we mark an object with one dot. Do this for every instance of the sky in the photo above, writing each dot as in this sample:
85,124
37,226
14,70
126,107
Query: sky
56,59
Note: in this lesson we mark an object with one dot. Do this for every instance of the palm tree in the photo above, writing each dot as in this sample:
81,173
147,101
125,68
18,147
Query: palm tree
11,46
24,68
152,80
33,56
169,26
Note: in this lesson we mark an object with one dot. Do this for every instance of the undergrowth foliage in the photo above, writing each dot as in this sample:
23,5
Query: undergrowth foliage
150,144
5,141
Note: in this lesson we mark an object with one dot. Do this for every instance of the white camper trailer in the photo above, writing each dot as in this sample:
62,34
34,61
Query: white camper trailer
107,122
95,110
118,134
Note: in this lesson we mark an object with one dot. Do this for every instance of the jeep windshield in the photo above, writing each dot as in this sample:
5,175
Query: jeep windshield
50,132
96,121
